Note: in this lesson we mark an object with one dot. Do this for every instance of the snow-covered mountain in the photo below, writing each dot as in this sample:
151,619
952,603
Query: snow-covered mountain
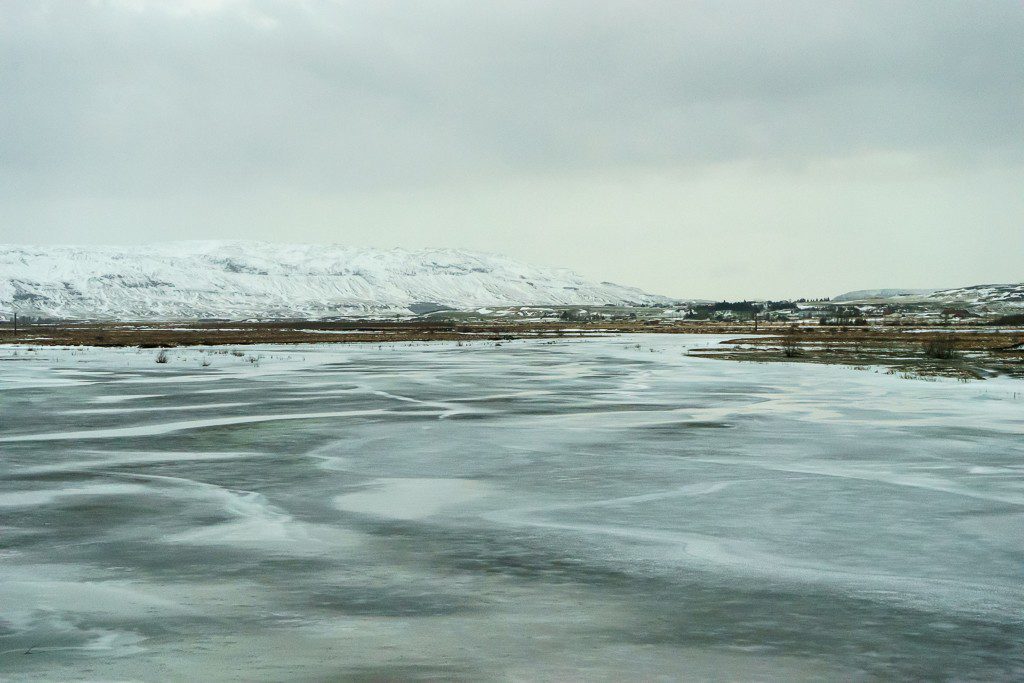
994,297
862,294
185,280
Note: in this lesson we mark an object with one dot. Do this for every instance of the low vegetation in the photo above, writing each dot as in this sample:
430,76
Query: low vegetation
941,348
791,345
907,353
165,335
917,350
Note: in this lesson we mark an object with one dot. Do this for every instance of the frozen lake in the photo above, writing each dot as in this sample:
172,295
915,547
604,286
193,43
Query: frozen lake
599,509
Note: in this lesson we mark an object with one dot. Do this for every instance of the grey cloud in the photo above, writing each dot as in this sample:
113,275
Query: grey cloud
144,101
387,92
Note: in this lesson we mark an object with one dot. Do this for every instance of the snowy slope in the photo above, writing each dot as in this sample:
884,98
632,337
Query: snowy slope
994,297
862,294
184,280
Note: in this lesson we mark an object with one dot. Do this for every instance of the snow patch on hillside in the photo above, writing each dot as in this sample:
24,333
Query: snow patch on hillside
1009,295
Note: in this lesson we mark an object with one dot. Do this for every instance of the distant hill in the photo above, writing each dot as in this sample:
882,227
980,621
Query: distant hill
187,280
862,294
996,297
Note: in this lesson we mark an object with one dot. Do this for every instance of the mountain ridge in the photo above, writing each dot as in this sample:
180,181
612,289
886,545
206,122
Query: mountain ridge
239,279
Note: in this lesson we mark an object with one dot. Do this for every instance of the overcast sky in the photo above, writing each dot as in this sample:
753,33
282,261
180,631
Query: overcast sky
706,149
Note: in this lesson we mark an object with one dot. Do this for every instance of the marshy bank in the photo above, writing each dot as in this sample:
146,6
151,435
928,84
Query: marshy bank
913,352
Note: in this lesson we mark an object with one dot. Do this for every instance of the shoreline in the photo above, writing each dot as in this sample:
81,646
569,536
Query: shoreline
967,352
169,334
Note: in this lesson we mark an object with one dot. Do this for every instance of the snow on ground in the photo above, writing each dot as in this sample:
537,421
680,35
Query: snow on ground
596,508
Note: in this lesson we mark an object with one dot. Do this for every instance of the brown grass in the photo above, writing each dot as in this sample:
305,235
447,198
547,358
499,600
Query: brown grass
906,351
171,334
899,349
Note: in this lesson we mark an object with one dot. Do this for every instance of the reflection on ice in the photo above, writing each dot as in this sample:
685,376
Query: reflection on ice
17,499
176,426
411,498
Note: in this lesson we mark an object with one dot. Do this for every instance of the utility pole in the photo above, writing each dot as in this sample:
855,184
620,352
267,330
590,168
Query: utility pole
15,322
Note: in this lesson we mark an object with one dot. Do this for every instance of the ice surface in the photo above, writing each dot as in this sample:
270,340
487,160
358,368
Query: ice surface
543,510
